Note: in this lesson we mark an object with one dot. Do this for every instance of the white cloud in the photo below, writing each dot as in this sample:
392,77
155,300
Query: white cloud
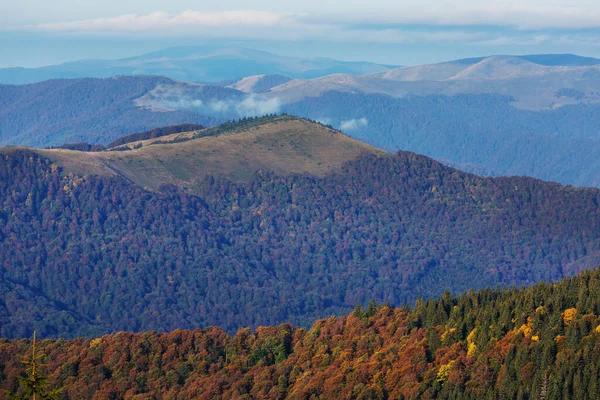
353,124
403,36
219,106
509,23
579,40
162,20
252,105
530,14
170,98
251,24
515,40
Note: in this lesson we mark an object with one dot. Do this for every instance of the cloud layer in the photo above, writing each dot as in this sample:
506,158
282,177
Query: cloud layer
162,20
491,23
525,14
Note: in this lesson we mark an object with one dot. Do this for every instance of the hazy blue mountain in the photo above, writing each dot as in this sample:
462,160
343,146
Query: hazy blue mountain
533,85
549,60
532,115
194,64
569,60
90,110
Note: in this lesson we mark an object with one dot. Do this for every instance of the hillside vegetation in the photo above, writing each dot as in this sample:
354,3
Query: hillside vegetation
256,231
542,342
279,144
154,133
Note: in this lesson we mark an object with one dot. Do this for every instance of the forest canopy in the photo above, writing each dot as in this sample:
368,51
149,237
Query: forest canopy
89,255
541,342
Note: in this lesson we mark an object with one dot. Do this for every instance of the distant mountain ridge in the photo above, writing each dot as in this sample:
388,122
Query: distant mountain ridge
510,115
205,64
550,60
532,81
259,83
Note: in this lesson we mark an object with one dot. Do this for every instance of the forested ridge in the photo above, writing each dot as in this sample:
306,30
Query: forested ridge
84,256
475,132
154,133
541,342
95,111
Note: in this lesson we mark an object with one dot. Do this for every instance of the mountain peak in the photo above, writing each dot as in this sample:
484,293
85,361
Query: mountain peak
280,144
259,83
561,60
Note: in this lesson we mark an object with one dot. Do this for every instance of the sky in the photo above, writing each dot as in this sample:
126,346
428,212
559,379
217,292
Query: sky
38,32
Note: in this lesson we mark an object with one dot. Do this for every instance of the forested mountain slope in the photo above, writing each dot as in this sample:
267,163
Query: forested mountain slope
287,234
95,111
482,132
542,342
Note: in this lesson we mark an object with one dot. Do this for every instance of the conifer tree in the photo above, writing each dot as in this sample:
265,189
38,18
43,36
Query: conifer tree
34,385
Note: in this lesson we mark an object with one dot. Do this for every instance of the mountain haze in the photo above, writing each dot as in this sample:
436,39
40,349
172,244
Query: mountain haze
194,64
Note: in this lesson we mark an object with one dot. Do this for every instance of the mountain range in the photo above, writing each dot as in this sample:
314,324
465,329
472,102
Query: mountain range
263,221
502,115
193,64
532,82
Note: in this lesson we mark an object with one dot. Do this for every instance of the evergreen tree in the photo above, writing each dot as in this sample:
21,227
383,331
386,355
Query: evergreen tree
34,385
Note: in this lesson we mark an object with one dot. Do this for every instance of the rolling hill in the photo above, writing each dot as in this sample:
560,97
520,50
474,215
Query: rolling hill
264,221
542,342
203,64
282,145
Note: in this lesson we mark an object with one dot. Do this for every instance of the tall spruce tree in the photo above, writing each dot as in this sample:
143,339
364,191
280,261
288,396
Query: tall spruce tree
34,385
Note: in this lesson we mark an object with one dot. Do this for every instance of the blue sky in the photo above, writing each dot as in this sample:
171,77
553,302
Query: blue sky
36,32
